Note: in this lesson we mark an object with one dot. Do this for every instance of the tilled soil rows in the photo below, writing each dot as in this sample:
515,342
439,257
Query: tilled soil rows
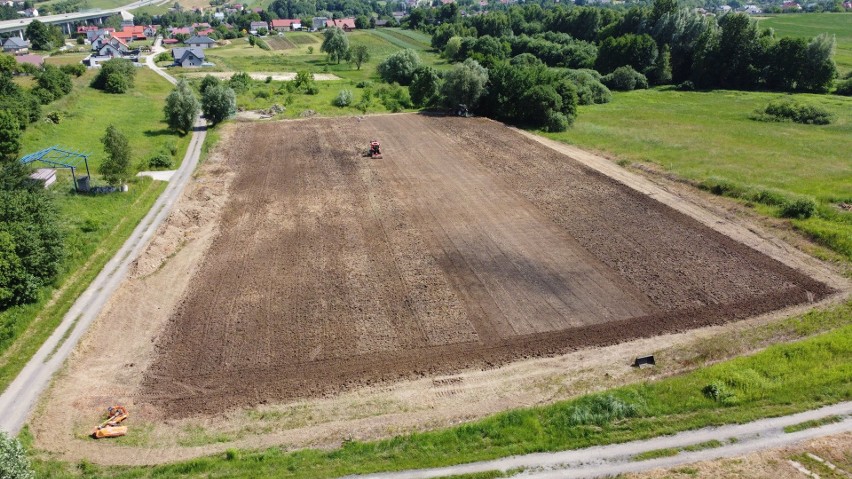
466,246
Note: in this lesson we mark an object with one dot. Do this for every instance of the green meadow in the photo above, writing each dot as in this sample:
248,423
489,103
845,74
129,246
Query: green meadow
95,225
809,25
709,138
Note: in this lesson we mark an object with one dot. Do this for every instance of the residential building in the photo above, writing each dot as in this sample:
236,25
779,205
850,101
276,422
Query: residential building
188,57
286,24
200,42
345,24
15,46
255,26
319,23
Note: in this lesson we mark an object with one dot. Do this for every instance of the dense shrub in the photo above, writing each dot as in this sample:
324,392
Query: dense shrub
343,98
115,76
788,109
399,67
844,87
800,208
590,90
14,463
394,97
30,245
240,82
160,161
75,69
52,83
625,79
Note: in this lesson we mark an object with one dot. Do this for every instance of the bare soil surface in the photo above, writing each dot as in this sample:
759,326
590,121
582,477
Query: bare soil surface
467,246
826,457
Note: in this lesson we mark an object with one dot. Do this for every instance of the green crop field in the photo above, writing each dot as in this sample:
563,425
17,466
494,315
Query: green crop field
809,25
708,136
95,226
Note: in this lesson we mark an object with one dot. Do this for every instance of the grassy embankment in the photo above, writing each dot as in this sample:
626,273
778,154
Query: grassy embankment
779,380
809,25
290,53
95,226
708,138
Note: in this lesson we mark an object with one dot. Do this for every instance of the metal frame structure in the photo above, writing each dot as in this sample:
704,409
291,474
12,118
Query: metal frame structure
62,158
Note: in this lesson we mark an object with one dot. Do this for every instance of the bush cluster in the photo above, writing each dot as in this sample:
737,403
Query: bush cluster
788,109
343,98
115,76
625,79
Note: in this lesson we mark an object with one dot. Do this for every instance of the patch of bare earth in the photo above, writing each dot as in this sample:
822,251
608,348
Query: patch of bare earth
827,457
334,296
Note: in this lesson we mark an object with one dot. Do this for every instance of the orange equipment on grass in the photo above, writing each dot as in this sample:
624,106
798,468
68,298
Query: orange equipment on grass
110,427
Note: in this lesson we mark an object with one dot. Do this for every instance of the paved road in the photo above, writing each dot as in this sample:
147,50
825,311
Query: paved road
63,18
20,397
616,459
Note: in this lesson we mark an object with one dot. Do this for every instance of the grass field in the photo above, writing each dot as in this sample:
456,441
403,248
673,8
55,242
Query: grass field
809,25
239,56
780,380
676,131
95,226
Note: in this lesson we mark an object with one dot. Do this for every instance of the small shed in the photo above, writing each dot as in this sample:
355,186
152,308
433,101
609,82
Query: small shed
44,175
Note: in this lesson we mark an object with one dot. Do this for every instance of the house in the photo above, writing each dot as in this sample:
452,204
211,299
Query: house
381,23
188,57
150,30
286,24
219,16
202,25
15,46
724,8
200,42
791,6
255,26
83,29
115,48
170,41
753,9
319,23
93,35
398,16
131,33
345,24
204,33
174,31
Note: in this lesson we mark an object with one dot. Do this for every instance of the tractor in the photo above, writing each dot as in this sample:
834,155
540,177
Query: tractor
375,150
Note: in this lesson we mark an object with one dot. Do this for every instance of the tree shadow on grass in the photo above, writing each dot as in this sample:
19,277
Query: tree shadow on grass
160,132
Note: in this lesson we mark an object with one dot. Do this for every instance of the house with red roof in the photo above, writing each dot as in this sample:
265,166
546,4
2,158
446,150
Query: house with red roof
286,24
345,24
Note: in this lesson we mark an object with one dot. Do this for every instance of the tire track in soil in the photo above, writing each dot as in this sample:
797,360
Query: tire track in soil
467,246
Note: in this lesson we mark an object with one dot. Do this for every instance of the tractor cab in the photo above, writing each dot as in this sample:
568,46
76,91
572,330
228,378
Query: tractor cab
375,149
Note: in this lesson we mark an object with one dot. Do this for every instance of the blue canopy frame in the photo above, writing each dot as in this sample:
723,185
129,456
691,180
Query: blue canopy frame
60,157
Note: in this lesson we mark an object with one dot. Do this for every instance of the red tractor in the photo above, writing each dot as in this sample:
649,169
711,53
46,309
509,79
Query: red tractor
375,149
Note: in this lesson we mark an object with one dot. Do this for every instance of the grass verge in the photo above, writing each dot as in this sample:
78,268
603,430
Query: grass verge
812,424
782,379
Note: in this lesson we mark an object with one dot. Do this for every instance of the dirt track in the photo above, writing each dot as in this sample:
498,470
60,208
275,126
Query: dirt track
468,245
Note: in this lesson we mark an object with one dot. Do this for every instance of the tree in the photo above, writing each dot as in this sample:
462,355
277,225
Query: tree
464,84
360,55
115,76
43,36
399,67
362,22
452,48
638,51
335,44
181,107
116,167
8,65
661,73
819,64
14,463
10,136
207,82
53,82
218,103
425,88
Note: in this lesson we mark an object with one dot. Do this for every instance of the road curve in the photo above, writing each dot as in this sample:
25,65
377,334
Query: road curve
18,400
614,459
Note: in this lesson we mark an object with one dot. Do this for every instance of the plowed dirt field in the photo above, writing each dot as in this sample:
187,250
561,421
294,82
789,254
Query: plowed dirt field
467,245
